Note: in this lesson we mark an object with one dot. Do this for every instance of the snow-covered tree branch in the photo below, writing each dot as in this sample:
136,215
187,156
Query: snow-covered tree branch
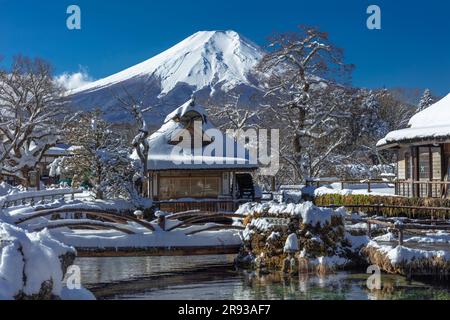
300,75
31,104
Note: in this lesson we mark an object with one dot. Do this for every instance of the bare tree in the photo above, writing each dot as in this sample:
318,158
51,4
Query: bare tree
299,73
31,104
100,157
233,115
140,142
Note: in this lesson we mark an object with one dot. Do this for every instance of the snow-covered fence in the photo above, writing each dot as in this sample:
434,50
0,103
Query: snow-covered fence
368,184
210,205
32,197
427,189
410,211
402,224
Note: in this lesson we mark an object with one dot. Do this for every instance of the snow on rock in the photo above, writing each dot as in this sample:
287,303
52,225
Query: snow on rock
326,262
314,216
309,213
291,244
32,265
275,228
388,237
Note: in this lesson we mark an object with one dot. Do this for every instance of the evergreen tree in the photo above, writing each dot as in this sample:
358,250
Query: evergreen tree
426,101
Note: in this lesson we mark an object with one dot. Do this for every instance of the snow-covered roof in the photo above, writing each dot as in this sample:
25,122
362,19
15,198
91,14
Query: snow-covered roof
433,123
164,154
189,106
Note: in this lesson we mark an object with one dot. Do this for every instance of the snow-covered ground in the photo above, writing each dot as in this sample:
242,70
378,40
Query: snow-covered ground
436,237
377,189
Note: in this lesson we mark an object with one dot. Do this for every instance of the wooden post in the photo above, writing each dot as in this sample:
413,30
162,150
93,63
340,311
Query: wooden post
234,186
368,187
369,229
38,180
400,236
162,221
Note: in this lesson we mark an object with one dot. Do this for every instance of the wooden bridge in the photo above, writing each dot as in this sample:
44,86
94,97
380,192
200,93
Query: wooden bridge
100,219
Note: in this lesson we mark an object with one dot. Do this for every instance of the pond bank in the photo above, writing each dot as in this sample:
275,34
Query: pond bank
157,251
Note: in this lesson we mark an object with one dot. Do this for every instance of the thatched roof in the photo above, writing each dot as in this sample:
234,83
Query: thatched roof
428,126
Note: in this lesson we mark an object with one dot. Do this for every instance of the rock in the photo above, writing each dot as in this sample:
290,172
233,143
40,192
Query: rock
32,264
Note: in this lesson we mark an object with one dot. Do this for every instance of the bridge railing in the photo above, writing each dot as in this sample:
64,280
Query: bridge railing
208,205
34,197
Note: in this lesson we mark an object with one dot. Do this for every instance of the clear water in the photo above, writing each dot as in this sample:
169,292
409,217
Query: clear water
213,277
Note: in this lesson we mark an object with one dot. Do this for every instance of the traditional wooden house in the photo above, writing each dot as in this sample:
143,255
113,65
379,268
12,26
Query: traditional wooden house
423,153
211,174
41,171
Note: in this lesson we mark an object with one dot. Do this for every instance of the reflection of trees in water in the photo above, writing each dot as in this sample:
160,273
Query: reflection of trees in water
341,285
400,288
304,286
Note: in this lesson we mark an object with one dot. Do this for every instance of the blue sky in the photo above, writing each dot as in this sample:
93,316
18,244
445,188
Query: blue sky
412,49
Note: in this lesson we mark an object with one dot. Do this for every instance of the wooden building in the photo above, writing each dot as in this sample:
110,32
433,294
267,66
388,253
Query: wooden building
42,170
423,153
208,175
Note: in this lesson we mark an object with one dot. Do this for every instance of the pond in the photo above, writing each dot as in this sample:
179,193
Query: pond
213,277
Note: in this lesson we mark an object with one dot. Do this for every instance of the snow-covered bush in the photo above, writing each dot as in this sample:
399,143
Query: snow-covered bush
32,265
408,261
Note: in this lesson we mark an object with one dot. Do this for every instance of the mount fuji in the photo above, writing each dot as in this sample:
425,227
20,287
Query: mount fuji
209,64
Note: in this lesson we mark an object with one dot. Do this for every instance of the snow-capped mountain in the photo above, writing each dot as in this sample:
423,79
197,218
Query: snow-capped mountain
208,63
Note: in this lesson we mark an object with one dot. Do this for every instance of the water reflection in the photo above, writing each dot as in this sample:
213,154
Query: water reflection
213,277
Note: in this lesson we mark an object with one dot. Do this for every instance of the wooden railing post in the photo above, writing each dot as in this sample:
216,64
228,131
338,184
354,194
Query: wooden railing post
400,235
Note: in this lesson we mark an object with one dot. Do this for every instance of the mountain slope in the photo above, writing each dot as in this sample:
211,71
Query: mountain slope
208,63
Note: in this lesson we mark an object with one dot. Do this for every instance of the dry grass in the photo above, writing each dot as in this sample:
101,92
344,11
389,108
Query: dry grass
434,266
358,199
